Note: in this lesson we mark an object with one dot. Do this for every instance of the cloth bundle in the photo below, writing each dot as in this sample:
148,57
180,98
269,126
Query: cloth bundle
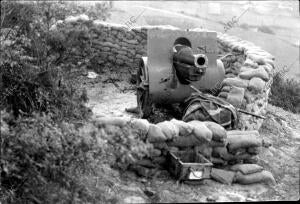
206,107
242,146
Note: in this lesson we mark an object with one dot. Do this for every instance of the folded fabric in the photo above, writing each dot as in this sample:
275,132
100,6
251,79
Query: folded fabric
218,131
226,88
247,168
223,95
258,177
201,132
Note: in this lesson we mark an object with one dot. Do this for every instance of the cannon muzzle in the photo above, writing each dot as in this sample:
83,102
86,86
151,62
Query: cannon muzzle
184,54
189,66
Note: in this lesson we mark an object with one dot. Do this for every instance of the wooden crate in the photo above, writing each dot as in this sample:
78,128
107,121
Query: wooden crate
188,165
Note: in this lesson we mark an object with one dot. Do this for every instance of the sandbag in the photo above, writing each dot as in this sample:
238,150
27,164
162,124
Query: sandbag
145,163
184,128
241,157
219,132
117,121
223,176
143,171
239,151
141,125
222,152
201,132
258,177
251,160
185,141
218,144
247,168
217,161
169,129
205,150
242,141
161,160
242,132
155,134
236,96
155,152
161,146
253,150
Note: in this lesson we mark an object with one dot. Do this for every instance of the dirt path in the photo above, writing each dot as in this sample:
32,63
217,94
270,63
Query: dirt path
281,128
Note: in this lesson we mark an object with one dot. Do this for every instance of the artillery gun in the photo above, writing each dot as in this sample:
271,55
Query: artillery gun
176,60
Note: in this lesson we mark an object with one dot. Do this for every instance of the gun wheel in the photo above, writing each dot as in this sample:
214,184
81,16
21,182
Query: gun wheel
143,99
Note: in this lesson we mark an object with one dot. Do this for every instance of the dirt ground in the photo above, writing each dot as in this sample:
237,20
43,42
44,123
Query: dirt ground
111,94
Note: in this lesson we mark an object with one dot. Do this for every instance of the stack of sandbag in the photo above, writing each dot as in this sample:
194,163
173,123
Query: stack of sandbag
219,139
243,174
178,133
252,173
175,135
242,146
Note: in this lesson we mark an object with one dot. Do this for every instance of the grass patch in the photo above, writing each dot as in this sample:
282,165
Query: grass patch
285,93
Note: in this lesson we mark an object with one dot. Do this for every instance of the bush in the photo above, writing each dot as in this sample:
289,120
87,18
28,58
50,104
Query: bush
37,154
45,161
30,77
25,93
285,93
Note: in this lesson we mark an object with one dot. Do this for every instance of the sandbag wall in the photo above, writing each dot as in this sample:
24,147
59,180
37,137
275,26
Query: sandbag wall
249,69
232,153
249,73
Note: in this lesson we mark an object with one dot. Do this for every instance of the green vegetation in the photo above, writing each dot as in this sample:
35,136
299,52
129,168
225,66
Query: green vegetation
50,151
285,92
43,161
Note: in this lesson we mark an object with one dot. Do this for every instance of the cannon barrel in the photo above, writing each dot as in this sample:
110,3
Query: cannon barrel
184,54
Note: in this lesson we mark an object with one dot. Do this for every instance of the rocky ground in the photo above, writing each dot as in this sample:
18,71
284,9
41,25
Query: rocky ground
110,94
